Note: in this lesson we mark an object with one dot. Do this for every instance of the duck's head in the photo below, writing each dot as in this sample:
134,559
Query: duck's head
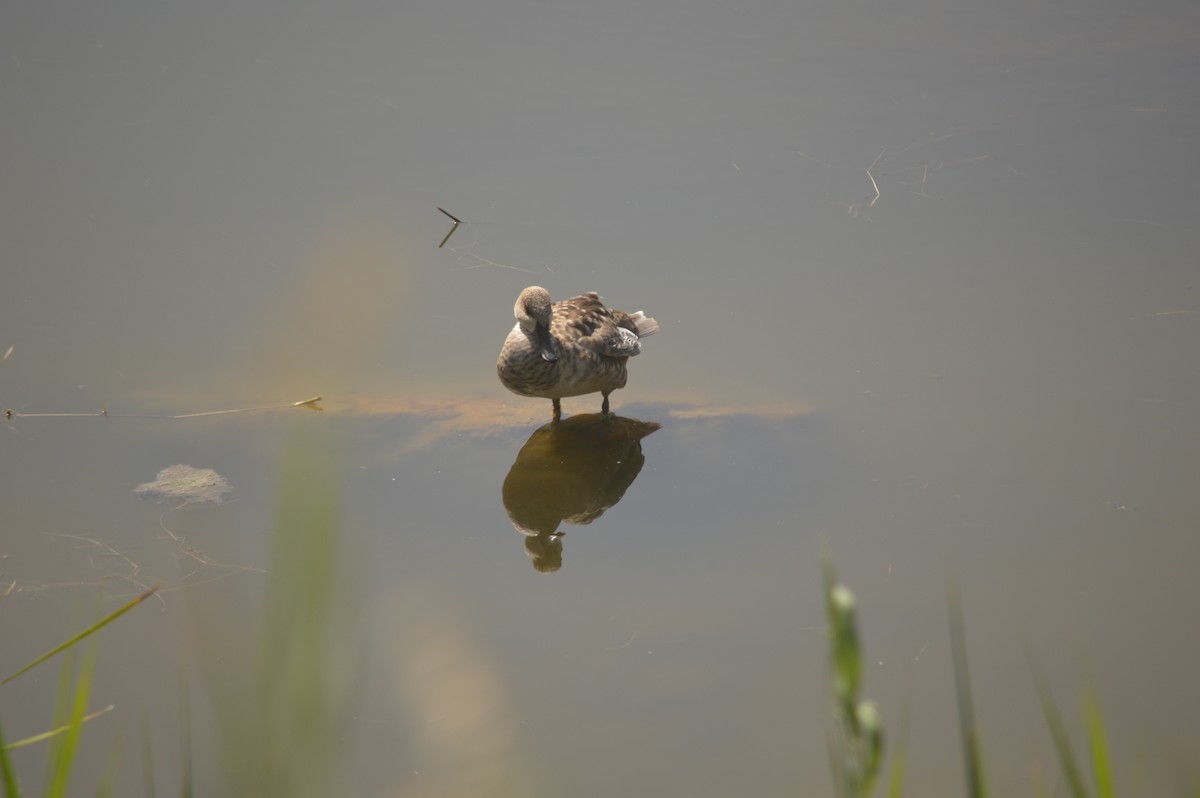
532,312
533,308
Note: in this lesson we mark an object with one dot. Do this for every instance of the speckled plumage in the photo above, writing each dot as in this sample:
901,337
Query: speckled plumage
569,348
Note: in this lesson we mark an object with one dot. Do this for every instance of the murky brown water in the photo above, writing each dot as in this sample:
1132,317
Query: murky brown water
927,283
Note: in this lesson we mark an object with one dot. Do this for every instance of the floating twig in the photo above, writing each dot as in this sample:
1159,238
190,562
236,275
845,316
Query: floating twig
311,404
1158,313
185,550
453,227
924,175
10,414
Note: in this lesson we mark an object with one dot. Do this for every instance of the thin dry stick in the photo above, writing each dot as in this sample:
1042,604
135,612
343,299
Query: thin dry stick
184,549
453,227
9,415
190,551
1159,313
924,175
482,262
134,568
223,570
311,404
875,186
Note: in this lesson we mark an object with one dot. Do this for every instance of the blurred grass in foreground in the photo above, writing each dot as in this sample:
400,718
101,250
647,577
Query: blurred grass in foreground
282,688
283,692
283,700
70,713
856,740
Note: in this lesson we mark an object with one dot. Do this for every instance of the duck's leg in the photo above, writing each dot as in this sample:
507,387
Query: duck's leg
557,409
604,407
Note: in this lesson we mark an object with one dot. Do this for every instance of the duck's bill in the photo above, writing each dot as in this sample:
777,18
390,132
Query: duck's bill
547,345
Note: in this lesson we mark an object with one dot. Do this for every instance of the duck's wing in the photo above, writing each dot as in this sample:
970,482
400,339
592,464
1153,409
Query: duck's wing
579,322
618,342
585,322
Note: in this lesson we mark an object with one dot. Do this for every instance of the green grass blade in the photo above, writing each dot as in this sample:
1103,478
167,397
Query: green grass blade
972,757
1098,743
65,751
837,764
185,723
46,735
62,713
895,788
856,741
109,780
1037,783
90,630
841,609
1062,745
147,761
7,774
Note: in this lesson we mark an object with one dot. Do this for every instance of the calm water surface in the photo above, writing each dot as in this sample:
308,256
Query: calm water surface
927,283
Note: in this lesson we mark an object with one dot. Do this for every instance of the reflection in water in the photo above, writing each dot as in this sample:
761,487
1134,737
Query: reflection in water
571,471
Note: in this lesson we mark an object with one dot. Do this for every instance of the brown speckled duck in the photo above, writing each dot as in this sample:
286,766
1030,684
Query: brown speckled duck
569,348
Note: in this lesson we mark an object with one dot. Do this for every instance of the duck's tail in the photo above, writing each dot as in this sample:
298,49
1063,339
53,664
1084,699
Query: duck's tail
645,325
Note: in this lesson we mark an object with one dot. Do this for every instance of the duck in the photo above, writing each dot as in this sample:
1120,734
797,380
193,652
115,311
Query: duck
572,347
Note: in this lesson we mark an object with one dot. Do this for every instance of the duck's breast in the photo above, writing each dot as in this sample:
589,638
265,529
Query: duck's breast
521,367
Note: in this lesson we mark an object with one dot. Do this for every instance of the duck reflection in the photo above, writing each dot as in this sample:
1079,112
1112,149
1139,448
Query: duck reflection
571,470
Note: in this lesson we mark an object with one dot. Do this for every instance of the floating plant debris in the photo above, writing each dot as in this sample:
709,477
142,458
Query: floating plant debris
187,483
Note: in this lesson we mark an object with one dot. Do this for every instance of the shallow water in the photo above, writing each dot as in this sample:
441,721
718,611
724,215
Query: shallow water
984,372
